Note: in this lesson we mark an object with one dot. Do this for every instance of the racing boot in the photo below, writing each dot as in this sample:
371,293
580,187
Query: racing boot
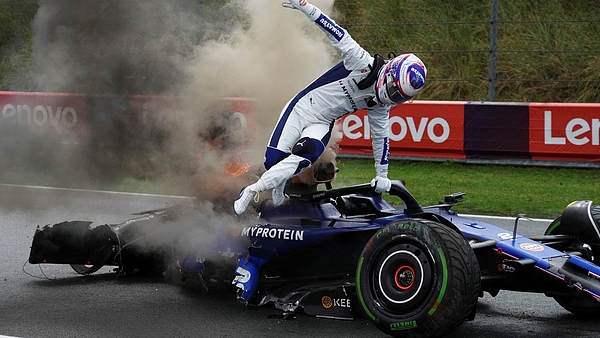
248,194
278,195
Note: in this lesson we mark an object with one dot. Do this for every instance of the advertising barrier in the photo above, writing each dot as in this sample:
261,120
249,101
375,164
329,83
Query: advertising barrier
483,131
562,132
434,129
569,132
77,117
55,113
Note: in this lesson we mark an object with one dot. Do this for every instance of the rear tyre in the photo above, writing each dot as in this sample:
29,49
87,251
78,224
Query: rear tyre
418,278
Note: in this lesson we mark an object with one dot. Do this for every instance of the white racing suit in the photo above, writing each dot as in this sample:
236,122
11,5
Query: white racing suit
305,124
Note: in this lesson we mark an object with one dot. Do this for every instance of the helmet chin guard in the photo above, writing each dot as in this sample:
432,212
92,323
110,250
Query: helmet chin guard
400,79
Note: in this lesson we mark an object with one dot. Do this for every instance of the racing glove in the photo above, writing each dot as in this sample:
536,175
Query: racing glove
381,183
311,11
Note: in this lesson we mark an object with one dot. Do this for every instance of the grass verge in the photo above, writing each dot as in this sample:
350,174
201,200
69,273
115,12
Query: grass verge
494,190
490,189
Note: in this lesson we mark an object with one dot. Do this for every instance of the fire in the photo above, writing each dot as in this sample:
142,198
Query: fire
235,168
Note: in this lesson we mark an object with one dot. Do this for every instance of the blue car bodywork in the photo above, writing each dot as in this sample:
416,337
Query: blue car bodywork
317,238
302,256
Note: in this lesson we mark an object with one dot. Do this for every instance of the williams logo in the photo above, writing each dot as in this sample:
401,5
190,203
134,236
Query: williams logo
330,27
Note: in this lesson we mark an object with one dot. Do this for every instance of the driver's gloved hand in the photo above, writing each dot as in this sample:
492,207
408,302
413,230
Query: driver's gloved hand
311,11
381,183
295,4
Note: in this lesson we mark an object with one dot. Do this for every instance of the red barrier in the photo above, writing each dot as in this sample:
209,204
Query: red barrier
71,115
568,132
422,129
484,130
244,113
418,128
45,112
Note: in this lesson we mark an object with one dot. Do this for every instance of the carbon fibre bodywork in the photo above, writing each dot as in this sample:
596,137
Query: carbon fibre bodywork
302,256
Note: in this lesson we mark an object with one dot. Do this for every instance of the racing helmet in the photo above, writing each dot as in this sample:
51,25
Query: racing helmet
400,79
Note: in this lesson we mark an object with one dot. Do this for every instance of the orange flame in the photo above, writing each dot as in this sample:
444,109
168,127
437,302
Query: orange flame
236,169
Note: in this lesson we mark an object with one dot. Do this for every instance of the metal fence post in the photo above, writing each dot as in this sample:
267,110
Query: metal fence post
493,49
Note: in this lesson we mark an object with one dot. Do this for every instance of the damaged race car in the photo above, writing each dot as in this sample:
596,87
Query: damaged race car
414,271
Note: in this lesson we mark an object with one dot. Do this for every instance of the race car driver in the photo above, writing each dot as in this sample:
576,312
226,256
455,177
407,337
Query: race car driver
360,81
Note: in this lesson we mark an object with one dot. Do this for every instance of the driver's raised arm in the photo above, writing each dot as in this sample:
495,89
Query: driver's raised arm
355,57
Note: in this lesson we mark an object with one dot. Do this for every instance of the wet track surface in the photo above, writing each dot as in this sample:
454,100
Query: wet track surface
53,301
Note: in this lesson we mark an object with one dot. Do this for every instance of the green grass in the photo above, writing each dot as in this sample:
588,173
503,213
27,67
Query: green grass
495,190
543,45
539,192
546,50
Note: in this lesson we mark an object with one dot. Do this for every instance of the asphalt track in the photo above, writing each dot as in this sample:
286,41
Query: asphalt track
53,301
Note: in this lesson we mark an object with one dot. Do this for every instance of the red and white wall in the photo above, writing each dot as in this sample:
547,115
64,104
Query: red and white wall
484,130
421,129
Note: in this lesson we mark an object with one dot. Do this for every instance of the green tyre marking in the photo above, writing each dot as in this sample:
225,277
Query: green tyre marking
360,296
444,282
551,230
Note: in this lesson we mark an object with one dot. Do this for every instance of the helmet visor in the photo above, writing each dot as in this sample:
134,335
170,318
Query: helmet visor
393,90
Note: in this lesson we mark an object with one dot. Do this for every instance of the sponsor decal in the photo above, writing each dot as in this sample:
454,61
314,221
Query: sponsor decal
564,131
348,96
243,275
273,233
41,115
419,128
506,268
318,195
403,325
239,119
505,235
386,152
531,246
417,80
331,27
436,129
399,226
329,302
578,131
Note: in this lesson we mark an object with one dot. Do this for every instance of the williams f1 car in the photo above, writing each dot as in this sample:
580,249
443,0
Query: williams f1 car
415,271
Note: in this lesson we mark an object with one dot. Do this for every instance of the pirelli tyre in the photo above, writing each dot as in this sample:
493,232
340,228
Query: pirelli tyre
418,278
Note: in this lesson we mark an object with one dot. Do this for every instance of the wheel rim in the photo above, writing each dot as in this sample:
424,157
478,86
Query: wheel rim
403,277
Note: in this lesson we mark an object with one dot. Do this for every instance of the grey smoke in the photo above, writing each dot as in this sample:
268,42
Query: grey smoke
198,50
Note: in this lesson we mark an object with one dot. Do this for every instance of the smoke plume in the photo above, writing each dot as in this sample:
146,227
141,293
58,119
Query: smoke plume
196,51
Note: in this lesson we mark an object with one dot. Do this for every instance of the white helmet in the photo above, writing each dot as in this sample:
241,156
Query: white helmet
400,79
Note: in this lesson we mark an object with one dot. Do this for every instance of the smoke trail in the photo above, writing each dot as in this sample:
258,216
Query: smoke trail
199,50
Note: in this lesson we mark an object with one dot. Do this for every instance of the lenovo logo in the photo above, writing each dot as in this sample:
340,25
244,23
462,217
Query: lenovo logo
416,130
577,131
40,115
